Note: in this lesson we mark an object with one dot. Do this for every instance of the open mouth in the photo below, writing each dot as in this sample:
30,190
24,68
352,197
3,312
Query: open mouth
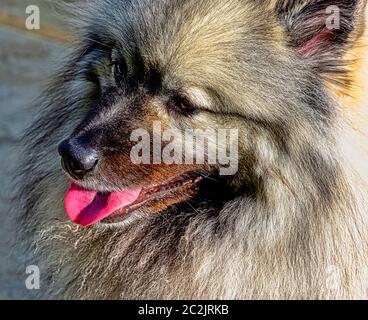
87,207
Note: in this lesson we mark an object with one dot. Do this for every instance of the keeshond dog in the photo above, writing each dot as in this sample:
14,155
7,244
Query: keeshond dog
290,223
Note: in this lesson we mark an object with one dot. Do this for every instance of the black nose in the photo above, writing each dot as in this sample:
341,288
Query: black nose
78,158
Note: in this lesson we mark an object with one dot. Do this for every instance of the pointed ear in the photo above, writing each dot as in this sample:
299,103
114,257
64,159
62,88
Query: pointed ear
319,29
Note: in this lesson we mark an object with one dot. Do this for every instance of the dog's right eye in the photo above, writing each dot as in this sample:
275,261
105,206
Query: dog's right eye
120,70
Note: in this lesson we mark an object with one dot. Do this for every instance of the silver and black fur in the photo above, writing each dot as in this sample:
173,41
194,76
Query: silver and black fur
296,209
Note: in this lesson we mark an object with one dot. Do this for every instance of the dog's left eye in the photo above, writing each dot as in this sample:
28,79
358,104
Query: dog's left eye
183,106
120,70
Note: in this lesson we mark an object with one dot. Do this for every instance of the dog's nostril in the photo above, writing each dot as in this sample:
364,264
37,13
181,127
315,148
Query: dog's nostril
78,158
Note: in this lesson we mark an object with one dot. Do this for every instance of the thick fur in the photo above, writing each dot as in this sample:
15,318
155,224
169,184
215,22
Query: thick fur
299,208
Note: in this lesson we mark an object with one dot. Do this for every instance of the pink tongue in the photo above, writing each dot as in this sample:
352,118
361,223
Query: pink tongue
86,207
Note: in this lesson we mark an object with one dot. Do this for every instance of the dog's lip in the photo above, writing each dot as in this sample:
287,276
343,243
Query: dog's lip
90,206
157,191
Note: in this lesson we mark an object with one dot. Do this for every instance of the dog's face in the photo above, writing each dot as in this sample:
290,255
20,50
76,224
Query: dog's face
248,65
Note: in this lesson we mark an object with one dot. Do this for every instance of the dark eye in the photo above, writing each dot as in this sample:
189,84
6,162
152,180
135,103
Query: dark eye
183,106
120,70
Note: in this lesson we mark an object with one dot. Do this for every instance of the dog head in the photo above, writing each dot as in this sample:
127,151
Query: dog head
258,67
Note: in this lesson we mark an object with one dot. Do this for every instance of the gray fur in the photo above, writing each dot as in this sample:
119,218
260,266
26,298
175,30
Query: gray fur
305,207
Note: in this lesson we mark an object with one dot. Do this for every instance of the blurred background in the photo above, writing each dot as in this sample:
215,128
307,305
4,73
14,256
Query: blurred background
27,57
